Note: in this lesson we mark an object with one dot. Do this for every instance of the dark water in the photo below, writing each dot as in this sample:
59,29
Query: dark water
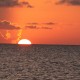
39,62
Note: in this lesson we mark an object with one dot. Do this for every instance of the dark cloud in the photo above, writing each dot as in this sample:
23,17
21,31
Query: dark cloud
71,2
32,27
13,3
49,23
7,26
36,27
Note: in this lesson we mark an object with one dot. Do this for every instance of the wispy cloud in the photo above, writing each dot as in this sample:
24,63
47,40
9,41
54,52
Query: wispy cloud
37,27
70,2
49,23
8,26
2,35
33,23
31,27
13,3
19,34
46,28
46,23
6,36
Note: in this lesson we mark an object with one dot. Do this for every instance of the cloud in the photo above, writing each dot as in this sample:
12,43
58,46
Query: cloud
13,3
71,2
47,23
33,23
2,36
8,35
36,27
32,27
7,26
5,36
19,34
50,23
46,28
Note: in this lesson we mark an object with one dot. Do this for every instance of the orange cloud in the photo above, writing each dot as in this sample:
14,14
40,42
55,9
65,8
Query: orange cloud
19,35
46,28
2,36
8,35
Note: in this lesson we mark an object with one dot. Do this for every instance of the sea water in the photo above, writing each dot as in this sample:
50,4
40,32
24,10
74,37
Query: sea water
39,62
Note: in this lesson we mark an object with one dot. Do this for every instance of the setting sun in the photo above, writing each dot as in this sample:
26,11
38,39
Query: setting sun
24,41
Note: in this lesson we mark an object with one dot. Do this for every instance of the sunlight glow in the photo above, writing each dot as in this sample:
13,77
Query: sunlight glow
24,41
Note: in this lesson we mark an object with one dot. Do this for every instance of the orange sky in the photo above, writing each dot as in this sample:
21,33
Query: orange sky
41,21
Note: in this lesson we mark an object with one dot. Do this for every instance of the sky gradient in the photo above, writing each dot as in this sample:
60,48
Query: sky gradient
40,21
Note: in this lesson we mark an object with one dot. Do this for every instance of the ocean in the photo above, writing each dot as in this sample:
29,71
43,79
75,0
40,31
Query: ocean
39,62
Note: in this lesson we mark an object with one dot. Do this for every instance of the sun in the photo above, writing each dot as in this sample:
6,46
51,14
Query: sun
24,41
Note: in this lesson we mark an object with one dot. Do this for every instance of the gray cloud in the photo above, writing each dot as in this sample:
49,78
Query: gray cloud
50,23
7,26
36,27
47,23
71,2
13,3
31,27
